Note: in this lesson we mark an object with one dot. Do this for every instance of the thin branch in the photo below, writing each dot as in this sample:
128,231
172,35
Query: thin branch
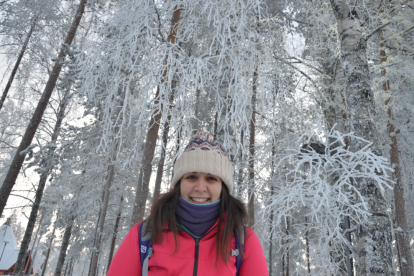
300,71
376,30
23,197
292,19
388,65
307,64
159,22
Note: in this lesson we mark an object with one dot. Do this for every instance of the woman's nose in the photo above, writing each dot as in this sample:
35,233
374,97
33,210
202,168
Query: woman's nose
201,185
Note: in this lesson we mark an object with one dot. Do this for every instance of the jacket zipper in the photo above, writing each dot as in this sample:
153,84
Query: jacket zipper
197,242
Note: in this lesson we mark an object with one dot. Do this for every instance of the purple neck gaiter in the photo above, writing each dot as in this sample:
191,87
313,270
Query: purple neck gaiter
197,218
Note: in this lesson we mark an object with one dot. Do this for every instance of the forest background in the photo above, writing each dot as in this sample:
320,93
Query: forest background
313,100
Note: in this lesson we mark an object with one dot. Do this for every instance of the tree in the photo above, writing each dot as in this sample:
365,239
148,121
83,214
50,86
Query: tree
374,250
18,159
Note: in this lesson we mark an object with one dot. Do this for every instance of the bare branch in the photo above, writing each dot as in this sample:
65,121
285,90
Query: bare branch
376,30
23,197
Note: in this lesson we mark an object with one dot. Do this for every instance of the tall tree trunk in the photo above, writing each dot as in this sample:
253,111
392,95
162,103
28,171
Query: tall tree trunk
47,164
48,252
402,238
63,249
34,246
307,245
272,192
152,135
240,163
374,239
251,189
118,218
196,123
18,159
166,129
215,129
106,192
104,208
17,64
287,246
97,224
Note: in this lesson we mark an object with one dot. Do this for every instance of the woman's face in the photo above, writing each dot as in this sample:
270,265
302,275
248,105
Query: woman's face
200,188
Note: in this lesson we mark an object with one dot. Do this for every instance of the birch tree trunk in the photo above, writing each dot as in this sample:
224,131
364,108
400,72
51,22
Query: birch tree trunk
18,159
63,249
374,236
152,135
17,64
402,238
47,164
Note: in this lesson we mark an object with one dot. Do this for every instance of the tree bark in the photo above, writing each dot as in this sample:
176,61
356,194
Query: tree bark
63,249
104,209
374,236
118,218
48,252
287,246
17,64
402,238
152,135
250,205
160,168
34,246
47,164
106,193
272,192
18,159
307,245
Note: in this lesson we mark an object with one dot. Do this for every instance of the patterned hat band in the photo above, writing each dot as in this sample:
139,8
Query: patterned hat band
203,154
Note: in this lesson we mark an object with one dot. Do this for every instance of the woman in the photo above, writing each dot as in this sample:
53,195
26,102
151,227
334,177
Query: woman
192,227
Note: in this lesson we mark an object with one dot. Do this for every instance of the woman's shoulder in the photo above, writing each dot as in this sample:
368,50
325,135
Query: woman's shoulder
251,240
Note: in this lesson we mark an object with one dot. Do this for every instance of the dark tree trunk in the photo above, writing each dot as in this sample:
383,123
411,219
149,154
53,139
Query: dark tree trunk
97,224
118,218
34,246
106,194
166,129
307,245
18,159
215,130
152,135
63,249
104,208
48,252
402,237
17,64
251,189
47,164
272,191
240,163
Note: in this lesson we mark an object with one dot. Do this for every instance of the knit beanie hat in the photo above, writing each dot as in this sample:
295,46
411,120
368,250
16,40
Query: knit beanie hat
203,154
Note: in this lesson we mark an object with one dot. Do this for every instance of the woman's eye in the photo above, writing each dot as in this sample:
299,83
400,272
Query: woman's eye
191,177
212,179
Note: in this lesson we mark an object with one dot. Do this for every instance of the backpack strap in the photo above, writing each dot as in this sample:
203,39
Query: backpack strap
237,252
145,246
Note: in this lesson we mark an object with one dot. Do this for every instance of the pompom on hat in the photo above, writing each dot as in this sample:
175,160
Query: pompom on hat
203,154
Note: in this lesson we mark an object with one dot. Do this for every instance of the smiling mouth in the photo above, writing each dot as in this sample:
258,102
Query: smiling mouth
199,199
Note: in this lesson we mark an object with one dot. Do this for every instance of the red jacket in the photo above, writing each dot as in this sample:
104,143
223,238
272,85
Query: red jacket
164,262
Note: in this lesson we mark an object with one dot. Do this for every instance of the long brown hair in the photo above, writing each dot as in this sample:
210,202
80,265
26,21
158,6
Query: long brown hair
163,214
